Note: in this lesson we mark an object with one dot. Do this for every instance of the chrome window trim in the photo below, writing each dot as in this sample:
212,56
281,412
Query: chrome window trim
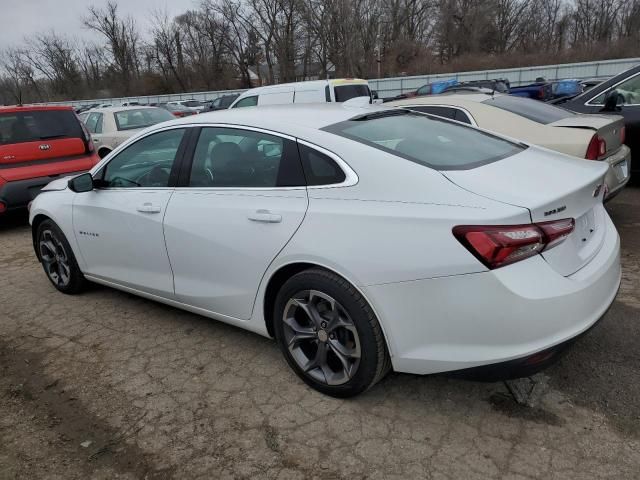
351,177
589,104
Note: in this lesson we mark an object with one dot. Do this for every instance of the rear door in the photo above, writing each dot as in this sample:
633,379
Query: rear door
36,143
238,205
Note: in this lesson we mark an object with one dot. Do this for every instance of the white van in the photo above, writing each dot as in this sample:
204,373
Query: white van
316,91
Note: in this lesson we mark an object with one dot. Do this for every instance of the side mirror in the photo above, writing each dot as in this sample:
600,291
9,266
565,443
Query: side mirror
611,102
81,183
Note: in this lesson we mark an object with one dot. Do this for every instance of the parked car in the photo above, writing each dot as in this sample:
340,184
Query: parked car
539,90
177,110
193,105
500,85
221,103
37,145
363,239
110,126
130,104
317,91
623,93
593,137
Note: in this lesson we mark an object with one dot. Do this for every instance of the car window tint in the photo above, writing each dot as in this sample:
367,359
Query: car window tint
146,163
430,141
99,123
34,126
347,92
535,110
630,91
235,158
460,116
319,169
247,102
445,112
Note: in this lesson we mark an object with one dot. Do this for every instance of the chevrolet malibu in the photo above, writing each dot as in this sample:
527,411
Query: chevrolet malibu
362,239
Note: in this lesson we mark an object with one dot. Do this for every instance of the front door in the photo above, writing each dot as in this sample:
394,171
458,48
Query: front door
119,226
244,200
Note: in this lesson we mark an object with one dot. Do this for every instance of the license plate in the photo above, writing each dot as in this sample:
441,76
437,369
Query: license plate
621,170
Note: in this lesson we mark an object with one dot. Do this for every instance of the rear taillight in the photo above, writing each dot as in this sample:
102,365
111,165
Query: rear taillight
499,245
3,207
597,148
623,134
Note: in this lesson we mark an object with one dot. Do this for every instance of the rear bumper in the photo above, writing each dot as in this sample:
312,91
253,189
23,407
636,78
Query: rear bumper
619,171
18,194
464,321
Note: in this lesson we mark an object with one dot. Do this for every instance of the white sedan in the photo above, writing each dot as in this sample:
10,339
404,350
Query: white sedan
362,239
110,126
588,136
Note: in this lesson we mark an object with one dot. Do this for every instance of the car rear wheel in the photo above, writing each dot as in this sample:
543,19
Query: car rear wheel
58,260
329,335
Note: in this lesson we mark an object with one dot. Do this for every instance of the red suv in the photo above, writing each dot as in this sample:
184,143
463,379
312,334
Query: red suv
37,145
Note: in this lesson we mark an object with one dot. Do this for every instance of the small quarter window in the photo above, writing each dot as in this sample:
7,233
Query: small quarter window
319,169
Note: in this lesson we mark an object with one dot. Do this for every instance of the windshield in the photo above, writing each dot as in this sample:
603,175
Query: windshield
140,118
192,103
347,92
535,110
427,140
33,126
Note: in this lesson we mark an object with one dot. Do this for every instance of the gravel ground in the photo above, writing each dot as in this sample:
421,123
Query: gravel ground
106,385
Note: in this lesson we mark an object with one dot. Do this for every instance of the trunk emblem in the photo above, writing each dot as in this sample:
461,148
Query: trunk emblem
45,146
597,191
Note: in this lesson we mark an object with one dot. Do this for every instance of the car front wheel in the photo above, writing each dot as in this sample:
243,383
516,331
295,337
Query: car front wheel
58,260
329,334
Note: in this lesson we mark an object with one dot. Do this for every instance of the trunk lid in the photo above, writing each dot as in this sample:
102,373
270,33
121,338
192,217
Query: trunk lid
551,186
608,127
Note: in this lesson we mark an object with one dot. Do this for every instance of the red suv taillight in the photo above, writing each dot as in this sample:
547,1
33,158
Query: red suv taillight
499,245
597,148
623,134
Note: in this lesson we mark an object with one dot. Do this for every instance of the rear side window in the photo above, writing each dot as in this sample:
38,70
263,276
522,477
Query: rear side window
21,127
535,110
319,169
428,141
347,92
236,158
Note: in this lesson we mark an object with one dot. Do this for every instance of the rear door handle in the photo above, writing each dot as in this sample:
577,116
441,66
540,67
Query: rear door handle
265,216
149,208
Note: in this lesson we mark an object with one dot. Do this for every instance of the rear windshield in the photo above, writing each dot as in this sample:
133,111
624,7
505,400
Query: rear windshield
144,117
532,109
192,103
347,92
34,126
430,141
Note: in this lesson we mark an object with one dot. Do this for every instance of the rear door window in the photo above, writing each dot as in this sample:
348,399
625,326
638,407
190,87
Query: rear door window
429,141
34,126
247,102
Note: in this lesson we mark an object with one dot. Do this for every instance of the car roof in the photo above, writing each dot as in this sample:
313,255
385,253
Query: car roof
119,109
295,117
446,99
33,108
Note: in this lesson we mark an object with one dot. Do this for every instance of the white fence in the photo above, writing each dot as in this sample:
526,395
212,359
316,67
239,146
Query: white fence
389,87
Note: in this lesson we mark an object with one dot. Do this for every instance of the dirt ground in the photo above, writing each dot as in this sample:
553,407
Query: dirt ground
106,385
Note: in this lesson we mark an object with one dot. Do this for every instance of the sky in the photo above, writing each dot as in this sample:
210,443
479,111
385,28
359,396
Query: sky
21,18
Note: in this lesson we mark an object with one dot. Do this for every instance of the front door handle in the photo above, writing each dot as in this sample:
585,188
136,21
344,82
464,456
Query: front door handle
265,216
149,208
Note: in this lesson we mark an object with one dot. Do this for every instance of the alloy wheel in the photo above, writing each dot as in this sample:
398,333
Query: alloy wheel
321,337
54,258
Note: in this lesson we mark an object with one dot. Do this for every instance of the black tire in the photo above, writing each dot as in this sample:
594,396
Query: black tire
373,363
72,281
